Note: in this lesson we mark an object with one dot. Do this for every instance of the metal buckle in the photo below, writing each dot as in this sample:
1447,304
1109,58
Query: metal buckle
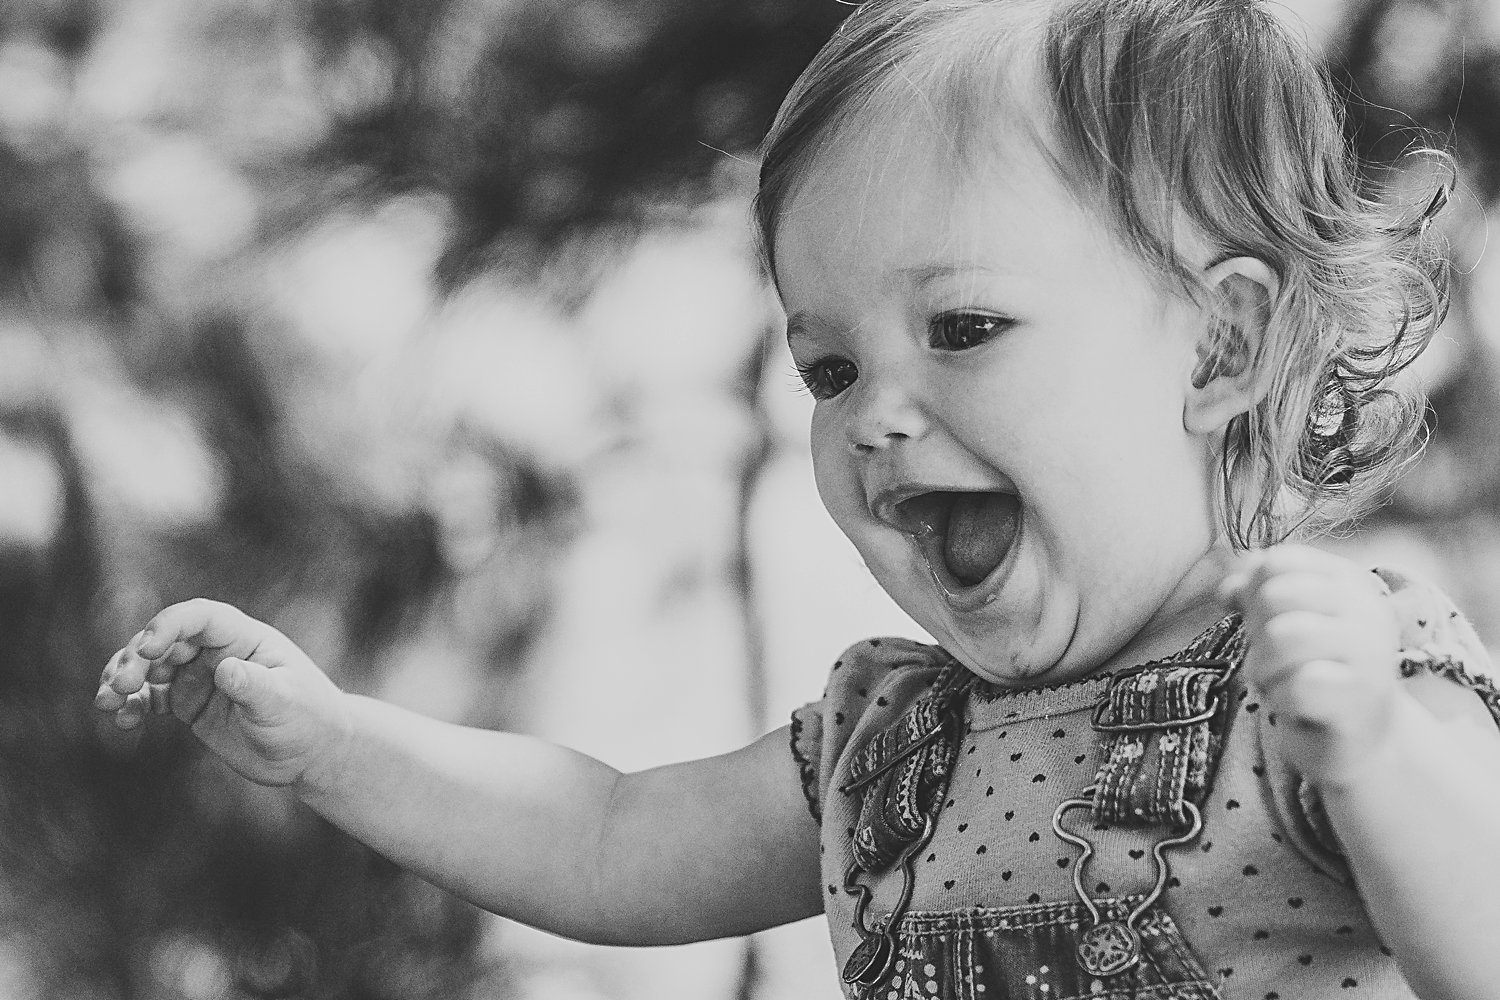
1218,683
1110,947
1136,727
871,959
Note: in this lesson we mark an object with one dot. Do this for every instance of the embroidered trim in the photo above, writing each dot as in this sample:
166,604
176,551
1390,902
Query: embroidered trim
1454,670
988,691
901,773
807,768
913,732
1026,704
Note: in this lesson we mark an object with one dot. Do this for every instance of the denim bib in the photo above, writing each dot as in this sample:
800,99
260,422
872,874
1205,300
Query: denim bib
1161,726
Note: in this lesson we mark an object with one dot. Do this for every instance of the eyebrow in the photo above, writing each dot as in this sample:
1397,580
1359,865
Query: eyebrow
925,273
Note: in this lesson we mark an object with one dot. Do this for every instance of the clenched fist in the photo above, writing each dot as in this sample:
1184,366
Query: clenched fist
1324,653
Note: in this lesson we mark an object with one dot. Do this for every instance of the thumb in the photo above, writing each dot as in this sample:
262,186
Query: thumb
248,685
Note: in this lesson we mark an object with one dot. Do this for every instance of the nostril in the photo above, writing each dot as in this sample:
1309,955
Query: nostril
866,447
882,414
868,439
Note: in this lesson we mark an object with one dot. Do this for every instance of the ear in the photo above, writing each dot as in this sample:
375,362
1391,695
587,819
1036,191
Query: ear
1223,383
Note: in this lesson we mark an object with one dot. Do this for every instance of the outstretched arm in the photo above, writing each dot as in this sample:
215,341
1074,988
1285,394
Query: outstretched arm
555,839
1408,771
530,830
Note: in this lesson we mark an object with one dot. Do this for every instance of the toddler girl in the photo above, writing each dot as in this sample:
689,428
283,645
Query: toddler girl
1094,317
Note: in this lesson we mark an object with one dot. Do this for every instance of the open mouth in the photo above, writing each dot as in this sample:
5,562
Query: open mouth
965,536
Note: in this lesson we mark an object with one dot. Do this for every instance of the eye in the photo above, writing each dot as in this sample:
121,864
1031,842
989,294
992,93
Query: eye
959,331
827,377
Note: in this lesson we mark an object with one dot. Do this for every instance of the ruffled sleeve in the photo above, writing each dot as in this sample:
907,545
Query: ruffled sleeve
807,751
1437,639
870,682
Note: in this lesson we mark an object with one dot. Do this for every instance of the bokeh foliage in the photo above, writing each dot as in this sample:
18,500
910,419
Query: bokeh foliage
135,867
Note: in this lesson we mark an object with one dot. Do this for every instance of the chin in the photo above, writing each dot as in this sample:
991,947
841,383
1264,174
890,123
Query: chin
1008,664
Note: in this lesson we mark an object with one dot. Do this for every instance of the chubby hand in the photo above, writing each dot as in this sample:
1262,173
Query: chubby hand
1324,654
246,690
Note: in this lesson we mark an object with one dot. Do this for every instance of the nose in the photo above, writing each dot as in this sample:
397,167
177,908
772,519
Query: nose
884,415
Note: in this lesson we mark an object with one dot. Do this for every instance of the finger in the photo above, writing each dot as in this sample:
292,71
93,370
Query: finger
191,691
114,661
203,623
1324,693
250,686
129,672
134,711
1290,576
1307,635
1232,587
165,669
1302,591
1291,560
158,698
1293,638
1290,557
107,699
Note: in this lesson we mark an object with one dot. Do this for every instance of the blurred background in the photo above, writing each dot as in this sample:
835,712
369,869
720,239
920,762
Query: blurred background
432,333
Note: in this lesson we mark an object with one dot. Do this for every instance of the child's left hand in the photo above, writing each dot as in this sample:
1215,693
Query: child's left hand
1324,654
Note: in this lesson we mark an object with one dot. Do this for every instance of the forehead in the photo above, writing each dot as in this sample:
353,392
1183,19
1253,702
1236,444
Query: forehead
931,135
898,200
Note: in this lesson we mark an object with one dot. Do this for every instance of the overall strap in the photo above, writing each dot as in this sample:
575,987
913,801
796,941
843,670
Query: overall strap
901,776
902,773
1163,726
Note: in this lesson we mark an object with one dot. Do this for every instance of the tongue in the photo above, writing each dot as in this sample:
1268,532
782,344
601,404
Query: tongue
981,529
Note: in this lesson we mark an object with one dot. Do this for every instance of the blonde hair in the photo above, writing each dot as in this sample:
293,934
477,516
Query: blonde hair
1165,115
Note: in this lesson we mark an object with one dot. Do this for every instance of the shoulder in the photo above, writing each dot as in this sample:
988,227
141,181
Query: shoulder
874,664
869,685
874,681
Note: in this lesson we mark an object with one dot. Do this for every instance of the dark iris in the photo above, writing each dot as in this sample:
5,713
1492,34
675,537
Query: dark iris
959,331
828,377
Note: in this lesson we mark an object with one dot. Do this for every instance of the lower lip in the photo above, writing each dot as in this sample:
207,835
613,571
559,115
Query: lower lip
961,597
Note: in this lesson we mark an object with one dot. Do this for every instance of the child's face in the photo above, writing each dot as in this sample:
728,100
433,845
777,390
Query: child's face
986,338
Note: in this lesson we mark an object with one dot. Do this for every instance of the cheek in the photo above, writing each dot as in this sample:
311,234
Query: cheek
831,472
1107,393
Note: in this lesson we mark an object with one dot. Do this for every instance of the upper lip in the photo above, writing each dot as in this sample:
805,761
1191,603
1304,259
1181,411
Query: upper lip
885,504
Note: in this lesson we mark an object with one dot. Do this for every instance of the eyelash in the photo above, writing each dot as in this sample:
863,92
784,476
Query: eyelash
816,375
811,381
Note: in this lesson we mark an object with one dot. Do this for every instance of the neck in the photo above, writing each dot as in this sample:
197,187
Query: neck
1190,608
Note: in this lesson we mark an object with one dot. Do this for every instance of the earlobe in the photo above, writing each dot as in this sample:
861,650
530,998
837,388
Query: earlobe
1223,382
